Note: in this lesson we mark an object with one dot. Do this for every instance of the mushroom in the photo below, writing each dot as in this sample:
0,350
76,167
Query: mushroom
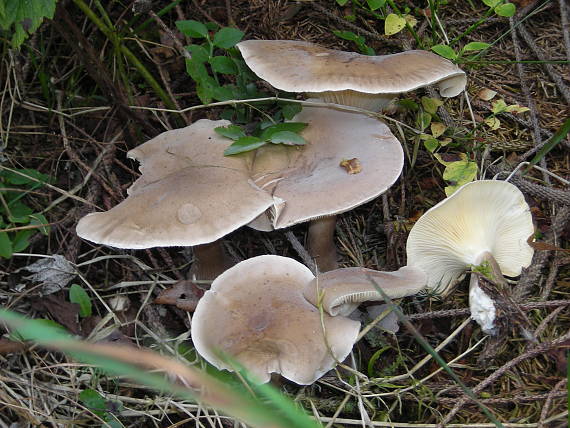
340,291
189,193
483,221
308,183
255,312
349,78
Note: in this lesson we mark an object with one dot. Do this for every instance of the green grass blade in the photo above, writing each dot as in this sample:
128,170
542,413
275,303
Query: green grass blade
553,142
275,412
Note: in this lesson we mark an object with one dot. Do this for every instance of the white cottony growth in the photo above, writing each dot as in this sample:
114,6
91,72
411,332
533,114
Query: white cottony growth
482,307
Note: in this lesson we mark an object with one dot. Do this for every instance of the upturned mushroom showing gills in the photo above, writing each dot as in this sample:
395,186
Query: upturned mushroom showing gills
309,182
340,291
189,194
263,312
483,221
349,78
255,312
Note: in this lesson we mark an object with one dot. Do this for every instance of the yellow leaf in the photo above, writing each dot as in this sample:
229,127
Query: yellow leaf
411,20
393,24
437,128
493,123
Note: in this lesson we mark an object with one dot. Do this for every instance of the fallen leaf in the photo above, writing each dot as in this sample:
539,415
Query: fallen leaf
486,94
54,273
184,295
352,166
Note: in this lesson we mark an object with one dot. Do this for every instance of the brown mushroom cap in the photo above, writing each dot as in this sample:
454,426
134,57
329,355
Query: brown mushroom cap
342,290
297,66
308,182
189,193
255,312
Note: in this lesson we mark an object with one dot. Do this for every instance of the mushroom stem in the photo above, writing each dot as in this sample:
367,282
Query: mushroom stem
342,290
321,243
211,261
481,306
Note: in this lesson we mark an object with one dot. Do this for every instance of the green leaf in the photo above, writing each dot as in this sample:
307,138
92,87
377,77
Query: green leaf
20,177
341,2
94,401
223,93
393,24
206,89
5,246
192,28
40,220
227,37
375,4
25,15
231,131
288,138
348,35
20,213
244,144
197,70
223,64
431,104
423,120
491,3
475,46
458,172
290,110
408,104
431,144
444,51
21,240
506,10
499,106
199,53
287,126
78,295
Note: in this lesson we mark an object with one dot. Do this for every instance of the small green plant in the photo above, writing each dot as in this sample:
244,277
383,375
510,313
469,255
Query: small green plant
279,133
359,40
498,107
457,172
456,56
18,222
104,409
78,295
207,64
22,17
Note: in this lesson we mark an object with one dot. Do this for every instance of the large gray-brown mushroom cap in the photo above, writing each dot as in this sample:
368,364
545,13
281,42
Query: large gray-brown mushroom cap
297,66
481,217
255,312
189,193
309,182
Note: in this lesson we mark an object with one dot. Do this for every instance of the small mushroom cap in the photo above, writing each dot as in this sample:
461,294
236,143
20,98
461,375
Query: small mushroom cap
308,182
189,193
344,289
296,66
481,216
255,312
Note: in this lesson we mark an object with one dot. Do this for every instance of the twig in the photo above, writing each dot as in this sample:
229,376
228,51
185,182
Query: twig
564,12
529,100
529,40
546,407
466,311
301,251
537,350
